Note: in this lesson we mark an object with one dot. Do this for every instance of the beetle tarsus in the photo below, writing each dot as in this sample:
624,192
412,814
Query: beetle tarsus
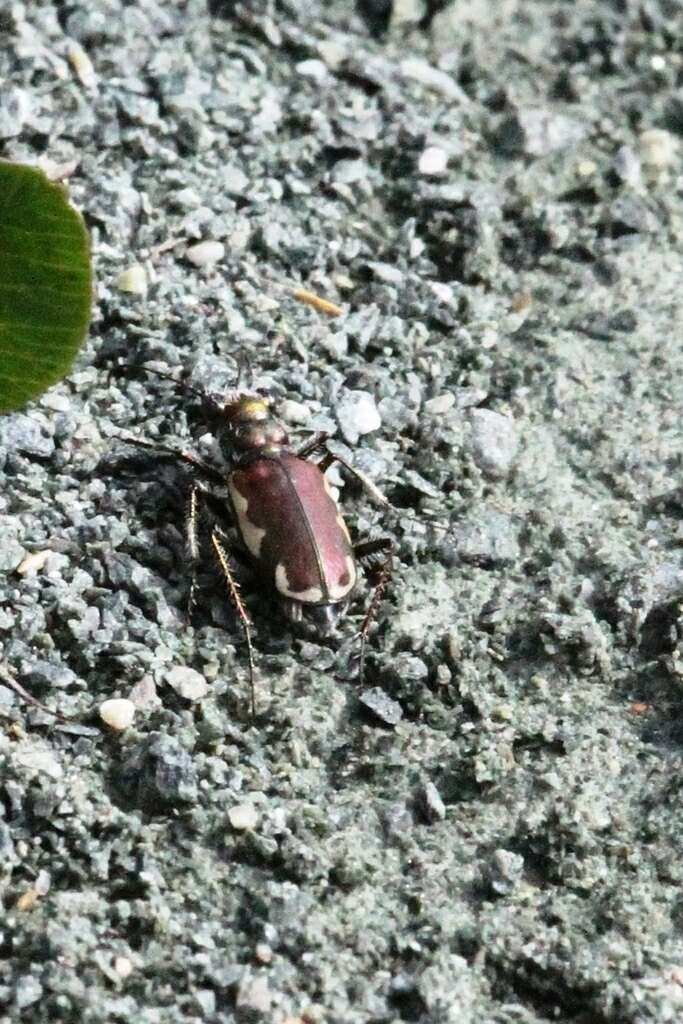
383,572
319,443
233,587
192,537
314,444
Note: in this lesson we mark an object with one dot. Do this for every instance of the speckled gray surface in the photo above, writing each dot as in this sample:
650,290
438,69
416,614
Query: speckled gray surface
493,194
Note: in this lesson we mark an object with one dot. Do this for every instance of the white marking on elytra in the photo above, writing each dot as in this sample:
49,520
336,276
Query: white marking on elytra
251,535
340,590
332,492
312,595
343,527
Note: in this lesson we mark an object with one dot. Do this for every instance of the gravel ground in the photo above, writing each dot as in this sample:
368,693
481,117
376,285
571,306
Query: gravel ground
488,830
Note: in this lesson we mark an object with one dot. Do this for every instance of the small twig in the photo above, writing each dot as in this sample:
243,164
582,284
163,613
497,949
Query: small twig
322,305
19,689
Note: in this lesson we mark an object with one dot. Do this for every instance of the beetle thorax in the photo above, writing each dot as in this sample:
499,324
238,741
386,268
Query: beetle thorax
249,428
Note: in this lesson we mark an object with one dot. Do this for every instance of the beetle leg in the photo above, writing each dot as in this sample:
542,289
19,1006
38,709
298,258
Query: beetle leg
383,572
233,587
314,444
192,460
373,490
192,537
369,485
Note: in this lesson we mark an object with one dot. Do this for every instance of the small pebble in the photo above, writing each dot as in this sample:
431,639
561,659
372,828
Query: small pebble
432,804
586,168
494,442
254,995
118,713
243,817
263,953
39,759
12,554
33,563
658,148
505,871
234,180
27,901
27,991
42,883
407,12
123,967
82,65
205,254
19,432
443,292
133,280
439,404
381,704
187,683
294,412
417,70
486,537
56,402
357,414
15,107
386,272
397,820
627,166
433,160
313,68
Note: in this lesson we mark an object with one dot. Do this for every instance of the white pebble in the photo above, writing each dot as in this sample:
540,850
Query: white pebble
243,817
357,414
53,400
118,713
205,254
133,280
188,683
494,441
658,148
443,292
33,563
82,65
123,967
440,403
294,412
313,68
433,160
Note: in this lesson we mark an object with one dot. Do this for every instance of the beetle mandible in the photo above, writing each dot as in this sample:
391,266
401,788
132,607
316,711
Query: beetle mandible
282,516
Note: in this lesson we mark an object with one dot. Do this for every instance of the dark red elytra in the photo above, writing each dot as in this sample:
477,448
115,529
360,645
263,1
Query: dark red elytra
293,529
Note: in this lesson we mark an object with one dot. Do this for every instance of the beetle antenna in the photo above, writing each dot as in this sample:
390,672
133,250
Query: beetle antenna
168,376
245,373
15,685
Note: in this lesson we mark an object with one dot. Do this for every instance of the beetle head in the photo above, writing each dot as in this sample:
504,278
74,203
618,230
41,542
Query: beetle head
246,423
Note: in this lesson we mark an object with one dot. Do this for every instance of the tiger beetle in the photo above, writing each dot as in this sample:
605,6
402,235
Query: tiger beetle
279,515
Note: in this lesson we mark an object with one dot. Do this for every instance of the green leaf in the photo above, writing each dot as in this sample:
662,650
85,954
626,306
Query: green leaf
45,284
